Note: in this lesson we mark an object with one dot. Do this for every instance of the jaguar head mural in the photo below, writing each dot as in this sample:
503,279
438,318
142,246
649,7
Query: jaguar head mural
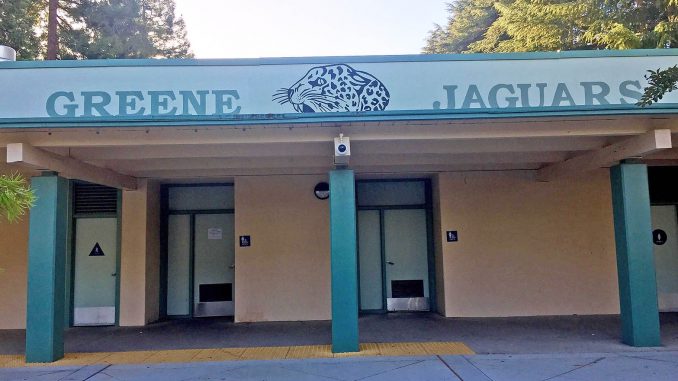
333,88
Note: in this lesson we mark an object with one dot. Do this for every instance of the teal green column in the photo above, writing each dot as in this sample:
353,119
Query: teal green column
635,258
344,261
46,269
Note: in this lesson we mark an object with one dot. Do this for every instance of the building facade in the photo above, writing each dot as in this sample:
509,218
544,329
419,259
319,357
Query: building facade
472,186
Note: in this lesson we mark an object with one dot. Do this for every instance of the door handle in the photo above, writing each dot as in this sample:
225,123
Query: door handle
114,274
231,266
390,263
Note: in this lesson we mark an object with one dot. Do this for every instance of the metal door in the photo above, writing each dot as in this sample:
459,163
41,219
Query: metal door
214,265
665,237
179,265
406,255
370,260
393,260
94,283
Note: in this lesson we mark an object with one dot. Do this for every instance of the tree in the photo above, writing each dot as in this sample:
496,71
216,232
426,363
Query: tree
82,29
15,196
543,25
18,19
467,23
660,82
127,29
52,25
533,25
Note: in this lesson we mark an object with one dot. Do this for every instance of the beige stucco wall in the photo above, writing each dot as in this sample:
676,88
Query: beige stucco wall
140,255
13,273
285,274
528,248
13,265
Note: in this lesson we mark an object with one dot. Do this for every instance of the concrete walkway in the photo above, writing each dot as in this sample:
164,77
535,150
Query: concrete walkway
632,366
583,348
550,334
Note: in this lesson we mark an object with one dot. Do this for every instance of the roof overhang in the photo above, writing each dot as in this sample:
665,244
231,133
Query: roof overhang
444,113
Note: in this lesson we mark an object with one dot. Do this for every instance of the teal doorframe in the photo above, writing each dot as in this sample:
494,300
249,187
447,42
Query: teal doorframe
118,259
164,217
428,207
191,255
70,260
165,212
344,261
635,257
47,246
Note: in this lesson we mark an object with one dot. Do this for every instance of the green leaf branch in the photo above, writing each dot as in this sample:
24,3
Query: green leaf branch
16,196
660,82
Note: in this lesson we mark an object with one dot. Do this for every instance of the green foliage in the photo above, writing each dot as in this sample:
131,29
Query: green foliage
551,25
15,196
468,22
660,82
534,25
18,18
92,29
547,25
124,29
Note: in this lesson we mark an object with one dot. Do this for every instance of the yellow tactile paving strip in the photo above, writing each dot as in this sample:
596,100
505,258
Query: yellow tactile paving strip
254,353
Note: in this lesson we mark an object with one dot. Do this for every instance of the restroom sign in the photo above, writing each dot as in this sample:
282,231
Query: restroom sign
659,237
452,236
96,251
245,241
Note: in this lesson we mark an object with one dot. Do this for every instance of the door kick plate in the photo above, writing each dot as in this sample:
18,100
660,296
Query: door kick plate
407,304
206,309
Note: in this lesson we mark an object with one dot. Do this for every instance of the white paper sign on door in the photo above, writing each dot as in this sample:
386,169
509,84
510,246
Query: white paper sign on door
214,233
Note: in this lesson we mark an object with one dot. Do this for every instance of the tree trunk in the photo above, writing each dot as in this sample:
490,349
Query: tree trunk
52,38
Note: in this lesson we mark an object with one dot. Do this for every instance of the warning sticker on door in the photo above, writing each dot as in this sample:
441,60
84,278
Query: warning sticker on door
96,251
215,233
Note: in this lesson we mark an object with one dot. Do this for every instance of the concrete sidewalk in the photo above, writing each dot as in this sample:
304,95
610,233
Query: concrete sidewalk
632,366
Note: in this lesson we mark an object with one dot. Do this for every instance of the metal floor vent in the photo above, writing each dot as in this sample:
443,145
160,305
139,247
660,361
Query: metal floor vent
93,198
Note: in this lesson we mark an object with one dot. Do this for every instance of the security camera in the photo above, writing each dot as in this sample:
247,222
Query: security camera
342,150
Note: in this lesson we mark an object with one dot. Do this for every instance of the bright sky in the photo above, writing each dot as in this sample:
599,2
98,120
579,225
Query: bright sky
290,28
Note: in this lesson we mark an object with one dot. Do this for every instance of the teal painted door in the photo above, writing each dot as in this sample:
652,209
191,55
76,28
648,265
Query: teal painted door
214,265
665,237
94,281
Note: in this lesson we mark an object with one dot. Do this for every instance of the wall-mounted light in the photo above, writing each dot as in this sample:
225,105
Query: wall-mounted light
322,191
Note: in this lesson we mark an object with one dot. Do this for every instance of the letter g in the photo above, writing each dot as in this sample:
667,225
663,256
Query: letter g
70,108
